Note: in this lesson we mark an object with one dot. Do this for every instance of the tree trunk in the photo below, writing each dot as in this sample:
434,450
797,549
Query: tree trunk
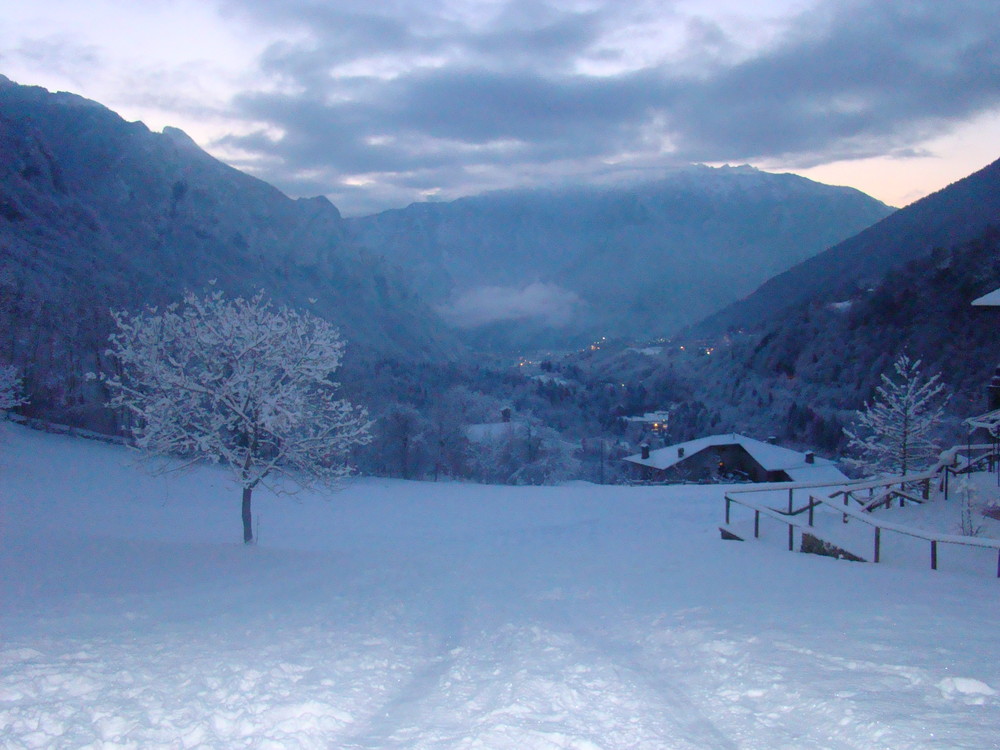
247,518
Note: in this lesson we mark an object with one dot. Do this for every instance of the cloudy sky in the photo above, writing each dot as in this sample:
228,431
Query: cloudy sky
378,103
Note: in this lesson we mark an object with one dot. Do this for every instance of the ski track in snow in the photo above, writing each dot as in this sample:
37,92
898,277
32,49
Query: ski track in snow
407,615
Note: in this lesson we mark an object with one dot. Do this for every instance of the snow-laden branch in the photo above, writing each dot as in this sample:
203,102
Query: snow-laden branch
239,383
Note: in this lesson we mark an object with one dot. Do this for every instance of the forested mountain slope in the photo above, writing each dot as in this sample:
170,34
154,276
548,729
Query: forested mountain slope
803,376
956,214
96,213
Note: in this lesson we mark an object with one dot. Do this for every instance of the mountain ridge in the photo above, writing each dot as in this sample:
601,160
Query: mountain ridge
955,214
635,261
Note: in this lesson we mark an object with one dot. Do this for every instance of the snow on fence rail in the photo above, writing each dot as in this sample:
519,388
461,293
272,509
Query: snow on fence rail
880,492
764,510
792,487
934,539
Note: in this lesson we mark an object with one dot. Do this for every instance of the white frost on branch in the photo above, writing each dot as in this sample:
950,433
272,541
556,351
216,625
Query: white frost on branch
894,433
11,393
237,382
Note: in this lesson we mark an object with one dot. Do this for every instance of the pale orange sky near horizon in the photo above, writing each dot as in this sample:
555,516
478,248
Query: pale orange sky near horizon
899,182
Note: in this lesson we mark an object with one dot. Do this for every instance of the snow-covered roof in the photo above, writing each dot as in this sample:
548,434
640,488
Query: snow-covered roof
824,472
988,421
491,431
651,416
770,457
988,300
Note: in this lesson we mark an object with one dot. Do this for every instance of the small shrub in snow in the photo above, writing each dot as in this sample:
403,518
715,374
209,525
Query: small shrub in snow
970,523
238,383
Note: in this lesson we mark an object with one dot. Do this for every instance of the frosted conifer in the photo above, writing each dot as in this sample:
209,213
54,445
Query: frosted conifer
10,388
894,433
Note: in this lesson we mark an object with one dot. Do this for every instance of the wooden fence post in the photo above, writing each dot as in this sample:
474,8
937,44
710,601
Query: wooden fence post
878,542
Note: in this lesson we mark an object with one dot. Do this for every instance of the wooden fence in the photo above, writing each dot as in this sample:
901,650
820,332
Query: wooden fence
857,500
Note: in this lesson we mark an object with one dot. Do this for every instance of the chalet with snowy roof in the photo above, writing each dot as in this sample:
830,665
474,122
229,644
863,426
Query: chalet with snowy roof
732,457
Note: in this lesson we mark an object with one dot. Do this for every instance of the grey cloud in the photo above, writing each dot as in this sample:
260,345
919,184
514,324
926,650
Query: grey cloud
59,54
522,32
846,80
478,106
528,33
870,76
548,304
444,117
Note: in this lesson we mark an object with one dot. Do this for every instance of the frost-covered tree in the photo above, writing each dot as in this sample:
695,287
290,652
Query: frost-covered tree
236,382
894,433
11,394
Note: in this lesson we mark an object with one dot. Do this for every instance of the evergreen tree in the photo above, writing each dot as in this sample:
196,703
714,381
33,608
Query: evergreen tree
10,388
894,433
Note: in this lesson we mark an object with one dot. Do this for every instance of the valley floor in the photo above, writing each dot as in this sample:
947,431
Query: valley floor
417,615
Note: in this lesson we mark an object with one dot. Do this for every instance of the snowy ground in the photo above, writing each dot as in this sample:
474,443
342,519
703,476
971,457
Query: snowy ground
415,615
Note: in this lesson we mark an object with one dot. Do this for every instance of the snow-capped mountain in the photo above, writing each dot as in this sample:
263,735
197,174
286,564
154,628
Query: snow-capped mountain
641,260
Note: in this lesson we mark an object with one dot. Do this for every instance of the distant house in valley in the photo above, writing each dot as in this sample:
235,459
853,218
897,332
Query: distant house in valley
503,431
655,421
494,432
732,457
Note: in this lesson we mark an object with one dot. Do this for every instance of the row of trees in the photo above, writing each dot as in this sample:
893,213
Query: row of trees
458,433
243,384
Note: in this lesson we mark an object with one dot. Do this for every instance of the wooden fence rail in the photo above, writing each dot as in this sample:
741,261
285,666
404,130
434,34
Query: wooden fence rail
880,493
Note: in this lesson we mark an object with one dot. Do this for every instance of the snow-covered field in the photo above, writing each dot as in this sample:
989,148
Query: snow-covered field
417,615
